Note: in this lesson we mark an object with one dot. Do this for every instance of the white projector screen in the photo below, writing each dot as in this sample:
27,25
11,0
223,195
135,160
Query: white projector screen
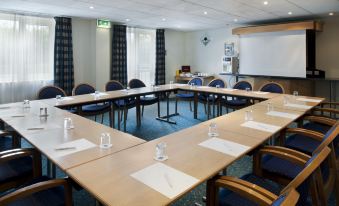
273,54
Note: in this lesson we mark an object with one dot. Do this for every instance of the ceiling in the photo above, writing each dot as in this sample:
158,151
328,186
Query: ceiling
186,15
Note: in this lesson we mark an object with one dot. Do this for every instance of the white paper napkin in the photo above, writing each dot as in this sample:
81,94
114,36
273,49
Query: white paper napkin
224,146
299,106
100,94
259,92
204,87
308,100
74,146
261,126
164,179
282,114
66,98
229,89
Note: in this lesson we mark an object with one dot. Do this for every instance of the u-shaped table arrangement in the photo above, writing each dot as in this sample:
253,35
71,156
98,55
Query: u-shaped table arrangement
127,173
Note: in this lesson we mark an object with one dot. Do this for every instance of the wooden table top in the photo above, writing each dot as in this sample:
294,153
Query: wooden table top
54,134
112,184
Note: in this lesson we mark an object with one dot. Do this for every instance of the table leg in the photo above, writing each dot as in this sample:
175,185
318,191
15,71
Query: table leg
137,105
166,118
195,112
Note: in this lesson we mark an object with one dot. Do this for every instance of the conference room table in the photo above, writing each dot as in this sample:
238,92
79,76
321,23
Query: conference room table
118,175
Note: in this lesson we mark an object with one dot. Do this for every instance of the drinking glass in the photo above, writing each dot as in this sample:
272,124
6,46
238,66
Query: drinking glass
105,141
249,115
248,89
68,123
213,130
286,100
192,85
27,103
269,107
171,84
160,153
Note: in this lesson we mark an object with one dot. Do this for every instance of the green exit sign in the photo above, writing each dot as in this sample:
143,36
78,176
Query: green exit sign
101,23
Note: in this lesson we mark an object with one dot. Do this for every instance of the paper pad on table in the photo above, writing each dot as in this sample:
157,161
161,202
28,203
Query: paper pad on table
164,179
258,92
100,94
224,146
300,106
66,98
79,145
229,89
308,100
283,114
204,87
261,126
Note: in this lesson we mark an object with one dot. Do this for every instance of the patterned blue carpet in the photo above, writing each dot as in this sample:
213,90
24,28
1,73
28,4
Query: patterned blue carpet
151,129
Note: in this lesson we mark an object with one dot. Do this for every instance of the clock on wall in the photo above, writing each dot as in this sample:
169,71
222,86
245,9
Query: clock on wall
205,39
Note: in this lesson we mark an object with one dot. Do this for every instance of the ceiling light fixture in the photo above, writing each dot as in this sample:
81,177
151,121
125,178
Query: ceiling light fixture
289,13
163,19
128,20
91,7
331,14
235,20
265,2
205,12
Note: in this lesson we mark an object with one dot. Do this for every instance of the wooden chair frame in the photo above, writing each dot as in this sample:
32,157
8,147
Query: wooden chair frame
29,190
16,154
51,86
276,83
81,113
186,99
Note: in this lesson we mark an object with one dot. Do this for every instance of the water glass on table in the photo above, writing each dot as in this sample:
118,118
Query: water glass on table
249,115
105,141
213,130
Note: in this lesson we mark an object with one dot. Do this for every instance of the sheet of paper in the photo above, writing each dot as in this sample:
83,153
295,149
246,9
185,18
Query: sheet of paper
229,89
100,94
42,127
72,147
204,87
308,100
261,126
67,99
259,92
224,146
299,106
164,179
180,85
282,114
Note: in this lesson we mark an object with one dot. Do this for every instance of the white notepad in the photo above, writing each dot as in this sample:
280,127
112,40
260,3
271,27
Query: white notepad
66,98
229,89
259,92
164,179
308,100
180,85
79,145
224,146
261,126
100,94
282,114
42,127
204,87
299,106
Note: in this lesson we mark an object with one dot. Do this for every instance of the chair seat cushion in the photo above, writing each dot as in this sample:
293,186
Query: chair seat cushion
5,143
95,107
236,102
302,143
15,169
124,102
148,100
316,127
278,166
51,197
227,197
185,95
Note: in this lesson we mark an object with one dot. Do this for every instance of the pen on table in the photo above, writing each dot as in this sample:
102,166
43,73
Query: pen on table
36,128
168,180
65,148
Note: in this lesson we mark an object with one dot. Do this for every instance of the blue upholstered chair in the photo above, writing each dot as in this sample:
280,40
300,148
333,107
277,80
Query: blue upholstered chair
308,142
208,99
49,92
92,109
303,181
236,102
17,166
41,191
144,100
187,96
6,141
122,105
272,87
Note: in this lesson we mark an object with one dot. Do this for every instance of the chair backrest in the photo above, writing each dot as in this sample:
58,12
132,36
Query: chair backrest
216,82
83,89
289,198
302,181
136,83
48,92
113,85
242,85
272,87
196,81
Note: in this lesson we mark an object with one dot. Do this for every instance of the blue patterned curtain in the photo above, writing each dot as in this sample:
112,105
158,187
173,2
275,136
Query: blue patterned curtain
160,57
119,54
63,54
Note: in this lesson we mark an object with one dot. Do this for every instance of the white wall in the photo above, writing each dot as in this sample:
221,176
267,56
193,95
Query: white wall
208,59
175,52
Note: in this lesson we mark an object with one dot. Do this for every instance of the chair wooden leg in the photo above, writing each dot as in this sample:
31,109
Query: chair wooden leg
205,108
208,110
102,118
176,105
159,107
119,118
211,193
142,110
125,118
110,118
191,106
95,118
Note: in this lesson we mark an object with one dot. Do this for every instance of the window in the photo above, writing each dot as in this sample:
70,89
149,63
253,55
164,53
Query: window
141,55
26,55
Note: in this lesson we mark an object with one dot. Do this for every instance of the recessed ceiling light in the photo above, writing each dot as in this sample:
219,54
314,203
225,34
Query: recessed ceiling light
163,19
235,20
128,20
289,13
91,7
178,26
265,2
331,14
205,12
